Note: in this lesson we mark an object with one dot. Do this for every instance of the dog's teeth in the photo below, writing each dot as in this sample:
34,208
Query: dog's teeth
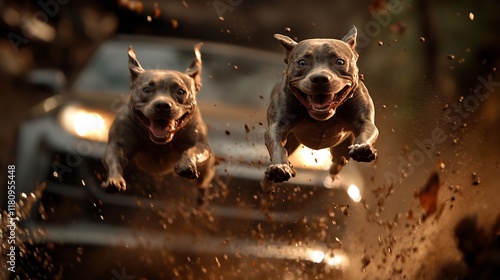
161,128
321,109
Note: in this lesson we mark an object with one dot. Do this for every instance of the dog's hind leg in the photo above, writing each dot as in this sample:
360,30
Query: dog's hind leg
340,156
204,181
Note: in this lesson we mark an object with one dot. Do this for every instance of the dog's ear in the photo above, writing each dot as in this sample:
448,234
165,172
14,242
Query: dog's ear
287,42
194,70
350,37
133,64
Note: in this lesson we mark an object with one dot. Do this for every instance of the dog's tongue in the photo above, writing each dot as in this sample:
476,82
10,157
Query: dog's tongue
320,101
161,128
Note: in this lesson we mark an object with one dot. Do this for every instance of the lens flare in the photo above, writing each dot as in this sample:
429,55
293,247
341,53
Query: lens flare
317,256
305,157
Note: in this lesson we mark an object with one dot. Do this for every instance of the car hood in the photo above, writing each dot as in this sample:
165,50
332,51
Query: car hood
236,134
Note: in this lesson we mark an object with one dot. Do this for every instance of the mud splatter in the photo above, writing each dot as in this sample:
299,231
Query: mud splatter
428,195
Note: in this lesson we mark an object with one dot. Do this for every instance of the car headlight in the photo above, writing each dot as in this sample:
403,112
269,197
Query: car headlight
305,157
352,189
336,260
86,123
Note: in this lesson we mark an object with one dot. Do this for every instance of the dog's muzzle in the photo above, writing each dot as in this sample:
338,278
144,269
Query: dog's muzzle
161,129
323,106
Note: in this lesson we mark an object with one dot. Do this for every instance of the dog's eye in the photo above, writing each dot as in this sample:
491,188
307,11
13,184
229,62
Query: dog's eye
146,90
340,62
302,62
181,91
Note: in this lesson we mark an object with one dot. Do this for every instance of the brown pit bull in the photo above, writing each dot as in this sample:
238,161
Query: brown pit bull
320,103
161,127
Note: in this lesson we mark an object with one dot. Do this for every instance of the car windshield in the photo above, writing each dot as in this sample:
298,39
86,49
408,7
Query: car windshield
223,74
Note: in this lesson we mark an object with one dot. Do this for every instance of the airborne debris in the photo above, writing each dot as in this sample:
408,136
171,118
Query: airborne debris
398,27
365,261
174,23
409,215
428,195
440,165
344,208
376,6
133,5
156,11
475,179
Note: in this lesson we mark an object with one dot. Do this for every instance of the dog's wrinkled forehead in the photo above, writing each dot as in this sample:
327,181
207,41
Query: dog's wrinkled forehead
345,48
189,79
322,49
163,79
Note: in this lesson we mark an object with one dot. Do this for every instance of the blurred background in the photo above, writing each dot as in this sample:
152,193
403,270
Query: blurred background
430,67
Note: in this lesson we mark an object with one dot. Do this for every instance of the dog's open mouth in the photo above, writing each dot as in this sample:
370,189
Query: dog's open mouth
323,104
161,130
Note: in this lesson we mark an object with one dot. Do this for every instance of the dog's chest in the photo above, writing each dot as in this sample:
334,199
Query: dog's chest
160,161
320,134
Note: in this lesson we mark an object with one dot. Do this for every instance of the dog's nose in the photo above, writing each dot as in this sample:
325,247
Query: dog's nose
320,79
162,106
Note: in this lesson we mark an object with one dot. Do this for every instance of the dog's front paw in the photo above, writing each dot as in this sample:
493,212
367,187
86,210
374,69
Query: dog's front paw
114,184
187,169
280,172
362,152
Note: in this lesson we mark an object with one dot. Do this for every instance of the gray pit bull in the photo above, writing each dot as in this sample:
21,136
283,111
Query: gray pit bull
161,127
320,103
